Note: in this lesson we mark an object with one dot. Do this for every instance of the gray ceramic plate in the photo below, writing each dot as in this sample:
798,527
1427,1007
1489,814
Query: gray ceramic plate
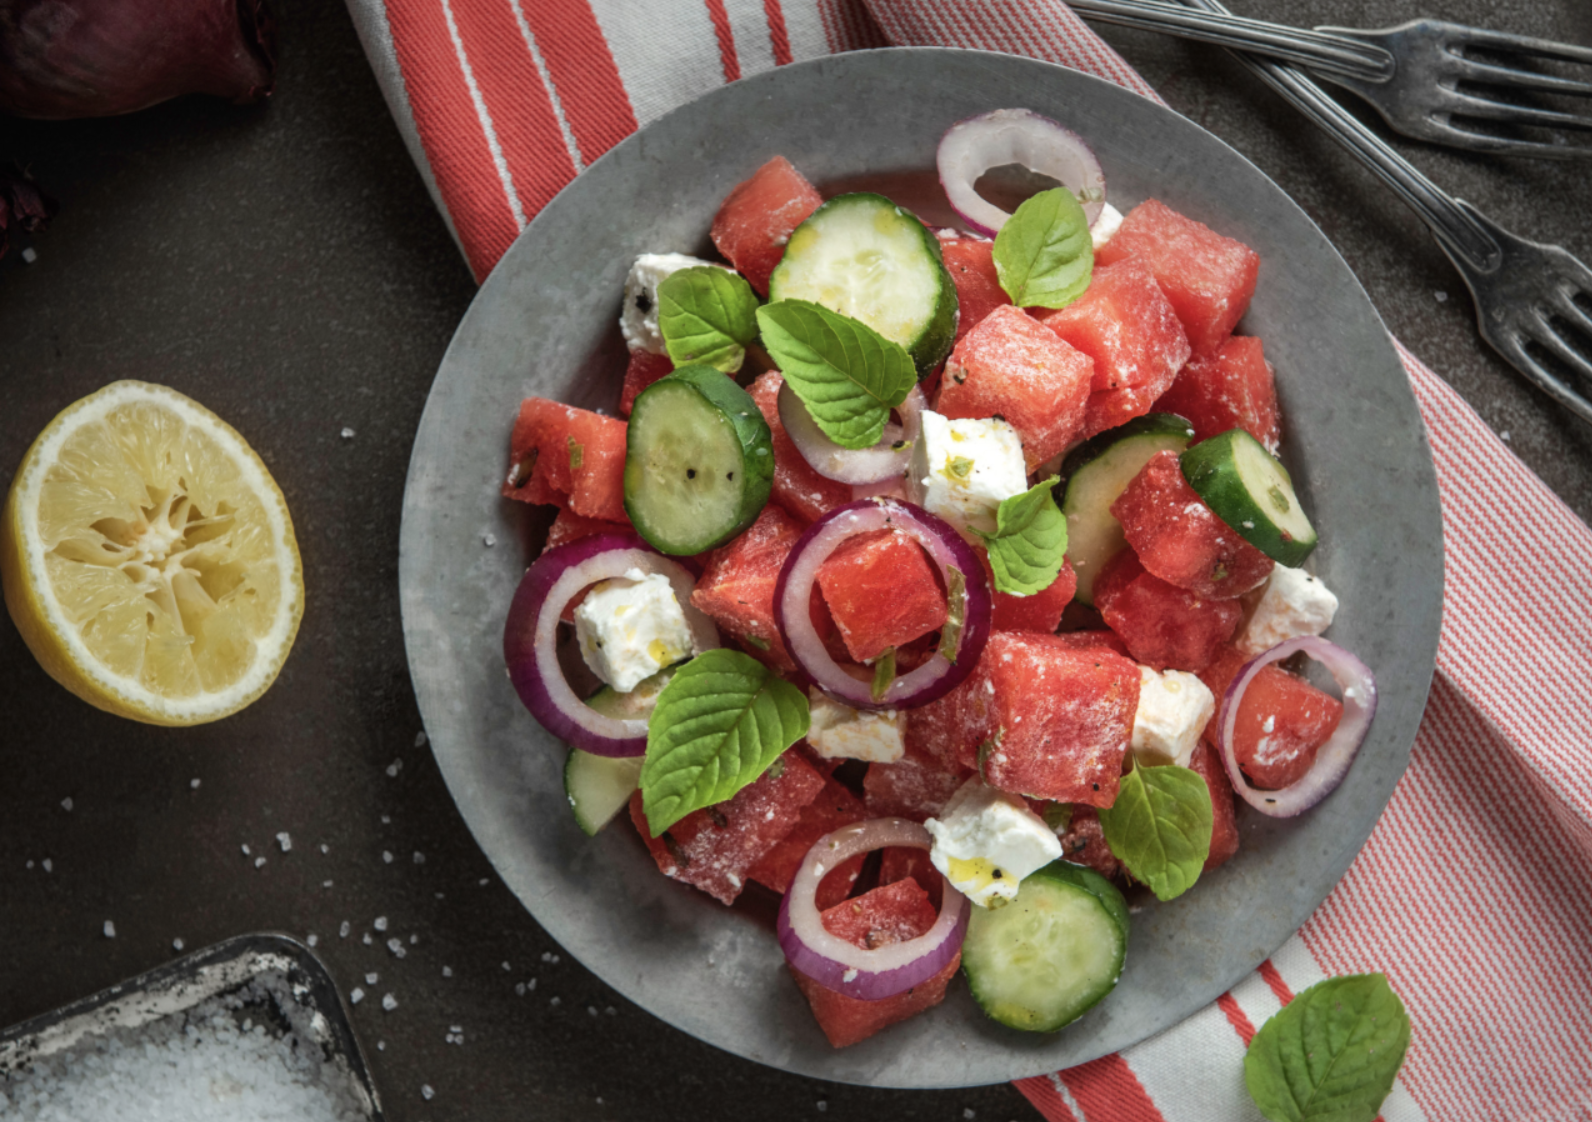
545,323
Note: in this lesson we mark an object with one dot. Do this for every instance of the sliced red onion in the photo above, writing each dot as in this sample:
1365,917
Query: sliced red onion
870,975
1015,136
893,488
1354,678
946,549
530,638
884,460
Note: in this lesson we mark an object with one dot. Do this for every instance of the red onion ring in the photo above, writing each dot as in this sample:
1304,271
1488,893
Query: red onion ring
839,965
946,549
1354,678
530,637
1015,136
853,465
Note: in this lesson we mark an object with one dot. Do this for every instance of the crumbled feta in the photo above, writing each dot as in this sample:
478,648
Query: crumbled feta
1292,603
986,841
839,732
1109,222
631,627
1173,709
639,320
963,469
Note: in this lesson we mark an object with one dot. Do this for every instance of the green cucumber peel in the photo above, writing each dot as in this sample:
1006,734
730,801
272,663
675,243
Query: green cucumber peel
1331,1053
709,315
846,373
720,722
1030,541
1043,254
1160,827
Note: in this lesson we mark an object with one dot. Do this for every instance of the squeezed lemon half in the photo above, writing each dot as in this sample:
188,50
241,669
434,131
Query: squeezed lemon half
148,558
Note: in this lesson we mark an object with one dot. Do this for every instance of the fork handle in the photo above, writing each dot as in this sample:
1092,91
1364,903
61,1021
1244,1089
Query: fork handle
1461,236
1323,51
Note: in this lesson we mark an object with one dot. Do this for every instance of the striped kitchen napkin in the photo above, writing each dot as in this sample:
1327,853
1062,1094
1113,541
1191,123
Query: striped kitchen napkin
1474,893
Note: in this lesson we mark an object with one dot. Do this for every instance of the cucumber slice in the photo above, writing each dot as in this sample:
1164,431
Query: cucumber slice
864,257
699,461
1252,492
1046,958
599,787
1096,473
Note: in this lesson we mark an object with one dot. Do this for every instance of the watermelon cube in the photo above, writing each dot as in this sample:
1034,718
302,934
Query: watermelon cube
1208,278
1232,387
797,487
899,862
737,586
560,454
1217,676
971,263
918,785
1281,724
1126,324
757,218
1093,640
947,731
834,807
716,848
644,369
1041,611
1224,823
1179,539
890,914
1064,718
569,527
1161,624
1084,843
1011,366
882,592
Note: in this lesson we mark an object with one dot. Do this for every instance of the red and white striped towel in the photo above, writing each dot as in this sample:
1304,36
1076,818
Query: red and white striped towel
1474,894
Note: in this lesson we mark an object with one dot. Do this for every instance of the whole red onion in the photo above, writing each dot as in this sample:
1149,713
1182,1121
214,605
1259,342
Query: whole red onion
98,58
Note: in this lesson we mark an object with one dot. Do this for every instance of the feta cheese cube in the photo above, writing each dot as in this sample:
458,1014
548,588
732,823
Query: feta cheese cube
1173,709
1292,603
1109,222
839,732
986,841
631,627
962,469
639,320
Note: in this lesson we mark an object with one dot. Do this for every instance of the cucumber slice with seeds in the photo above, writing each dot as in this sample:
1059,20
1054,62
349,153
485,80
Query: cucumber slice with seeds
598,787
1046,958
1096,473
864,257
1252,492
699,461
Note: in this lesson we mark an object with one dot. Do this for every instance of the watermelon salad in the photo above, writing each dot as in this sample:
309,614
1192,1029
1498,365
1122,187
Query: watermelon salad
945,583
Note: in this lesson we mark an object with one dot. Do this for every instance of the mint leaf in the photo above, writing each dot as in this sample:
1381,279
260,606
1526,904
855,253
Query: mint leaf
707,314
1330,1053
1029,542
846,373
1043,255
1160,827
719,723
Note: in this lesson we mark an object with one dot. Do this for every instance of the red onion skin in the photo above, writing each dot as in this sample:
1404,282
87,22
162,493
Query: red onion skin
61,59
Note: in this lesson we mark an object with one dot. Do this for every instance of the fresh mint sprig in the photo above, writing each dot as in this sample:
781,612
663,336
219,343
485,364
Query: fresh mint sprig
846,373
1043,254
1030,541
720,722
1160,827
707,314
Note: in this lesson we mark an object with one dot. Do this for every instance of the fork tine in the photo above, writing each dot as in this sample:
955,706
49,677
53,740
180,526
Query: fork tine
1546,380
1524,44
1510,78
1545,336
1574,313
1475,105
1507,146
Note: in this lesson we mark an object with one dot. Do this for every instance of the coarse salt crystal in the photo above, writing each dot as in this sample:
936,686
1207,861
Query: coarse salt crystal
258,861
47,864
343,929
312,940
386,856
285,840
396,946
420,858
194,783
447,971
176,944
356,995
380,923
394,768
372,978
110,930
420,739
348,433
66,803
426,1092
389,1002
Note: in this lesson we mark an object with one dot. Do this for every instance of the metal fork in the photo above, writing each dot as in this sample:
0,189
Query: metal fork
1411,74
1533,301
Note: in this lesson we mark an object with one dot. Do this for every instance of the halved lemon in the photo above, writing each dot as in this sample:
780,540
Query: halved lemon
148,558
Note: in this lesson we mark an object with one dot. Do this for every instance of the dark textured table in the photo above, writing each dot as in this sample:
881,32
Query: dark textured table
284,265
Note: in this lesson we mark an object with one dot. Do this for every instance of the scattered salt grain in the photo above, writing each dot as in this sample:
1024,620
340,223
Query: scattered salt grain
822,1105
356,995
426,1092
420,858
420,739
30,864
386,820
368,940
394,768
489,540
380,923
967,1112
1504,436
381,1045
259,861
285,840
447,971
312,939
66,804
325,848
519,988
110,930
176,944
326,884
557,1001
610,1011
396,946
245,848
47,864
414,940
1442,297
343,929
193,783
483,881
507,967
348,433
29,255
591,1010
386,856
389,1002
